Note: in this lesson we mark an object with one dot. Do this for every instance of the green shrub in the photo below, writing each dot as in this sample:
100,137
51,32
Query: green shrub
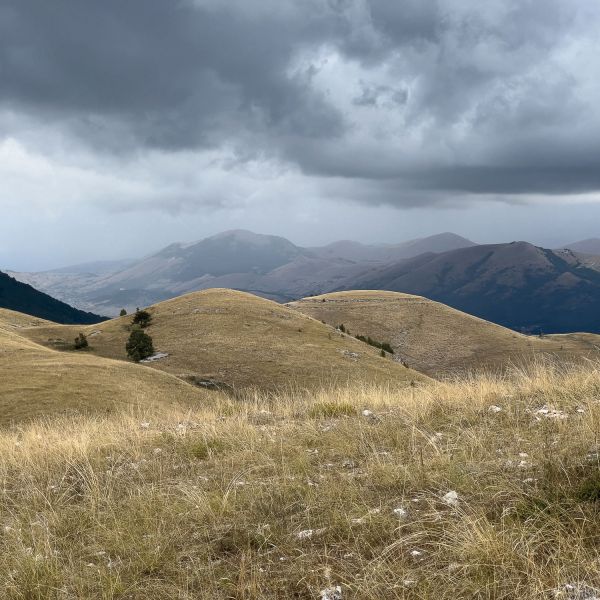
81,342
139,346
142,318
123,313
385,346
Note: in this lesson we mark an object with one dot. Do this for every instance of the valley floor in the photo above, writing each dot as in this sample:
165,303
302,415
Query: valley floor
480,488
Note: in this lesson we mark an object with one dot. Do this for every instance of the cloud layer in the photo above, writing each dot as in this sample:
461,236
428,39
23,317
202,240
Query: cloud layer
204,103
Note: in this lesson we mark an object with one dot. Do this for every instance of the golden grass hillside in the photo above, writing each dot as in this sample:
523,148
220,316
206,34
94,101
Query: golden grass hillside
481,488
243,341
436,339
37,381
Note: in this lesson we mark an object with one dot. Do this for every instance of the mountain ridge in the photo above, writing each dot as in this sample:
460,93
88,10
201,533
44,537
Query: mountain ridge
24,298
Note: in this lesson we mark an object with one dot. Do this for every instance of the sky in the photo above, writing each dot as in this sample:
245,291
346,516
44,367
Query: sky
127,125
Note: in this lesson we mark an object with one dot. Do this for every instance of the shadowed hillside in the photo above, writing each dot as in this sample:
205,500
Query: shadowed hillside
517,285
21,297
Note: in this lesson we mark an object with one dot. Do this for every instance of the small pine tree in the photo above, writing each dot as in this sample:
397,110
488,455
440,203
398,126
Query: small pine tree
139,346
81,342
123,313
383,353
342,328
142,318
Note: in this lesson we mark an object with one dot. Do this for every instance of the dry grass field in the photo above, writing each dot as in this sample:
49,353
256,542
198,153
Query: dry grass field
482,488
243,341
436,339
37,381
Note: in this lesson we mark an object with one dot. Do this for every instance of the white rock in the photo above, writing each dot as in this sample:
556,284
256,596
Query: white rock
367,413
332,593
570,591
416,553
306,534
145,425
155,357
495,409
401,512
451,498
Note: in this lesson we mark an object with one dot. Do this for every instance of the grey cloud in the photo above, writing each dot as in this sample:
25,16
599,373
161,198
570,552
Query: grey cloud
429,96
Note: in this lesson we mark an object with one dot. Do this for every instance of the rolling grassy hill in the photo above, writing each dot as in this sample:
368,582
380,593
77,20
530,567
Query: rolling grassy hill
242,341
36,381
436,339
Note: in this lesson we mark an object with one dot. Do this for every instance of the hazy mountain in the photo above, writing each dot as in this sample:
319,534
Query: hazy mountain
267,265
356,251
236,251
517,285
23,298
590,246
101,267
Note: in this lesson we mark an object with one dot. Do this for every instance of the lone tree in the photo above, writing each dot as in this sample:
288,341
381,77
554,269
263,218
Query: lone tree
81,342
139,345
142,318
123,312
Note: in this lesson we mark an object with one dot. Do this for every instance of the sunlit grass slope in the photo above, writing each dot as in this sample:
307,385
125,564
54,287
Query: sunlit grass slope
436,339
243,341
36,381
484,488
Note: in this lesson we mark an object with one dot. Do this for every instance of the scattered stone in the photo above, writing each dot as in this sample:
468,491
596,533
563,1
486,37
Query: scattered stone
550,413
332,593
145,425
157,450
155,357
367,413
495,409
451,498
306,534
570,591
401,513
416,553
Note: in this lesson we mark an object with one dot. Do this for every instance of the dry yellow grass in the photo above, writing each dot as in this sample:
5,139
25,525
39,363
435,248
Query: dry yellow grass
285,496
37,381
436,339
243,341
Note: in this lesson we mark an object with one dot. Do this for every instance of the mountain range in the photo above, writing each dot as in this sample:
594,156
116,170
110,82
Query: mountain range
518,285
269,266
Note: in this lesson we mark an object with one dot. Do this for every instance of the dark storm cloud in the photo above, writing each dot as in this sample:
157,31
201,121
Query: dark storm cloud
414,96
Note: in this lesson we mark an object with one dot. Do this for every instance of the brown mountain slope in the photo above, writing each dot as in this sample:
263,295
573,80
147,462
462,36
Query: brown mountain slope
516,285
37,381
434,338
242,341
